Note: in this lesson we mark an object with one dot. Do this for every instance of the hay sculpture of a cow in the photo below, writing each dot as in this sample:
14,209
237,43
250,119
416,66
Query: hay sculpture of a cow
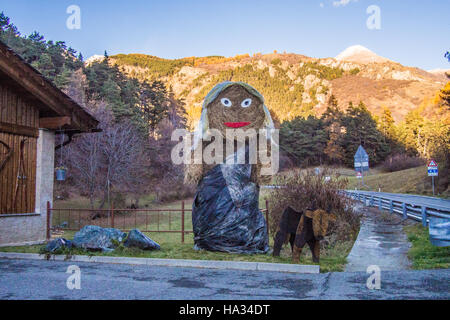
300,228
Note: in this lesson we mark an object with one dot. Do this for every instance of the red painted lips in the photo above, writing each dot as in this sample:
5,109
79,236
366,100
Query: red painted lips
236,124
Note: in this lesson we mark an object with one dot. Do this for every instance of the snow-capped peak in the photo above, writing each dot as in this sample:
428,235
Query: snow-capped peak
360,54
94,58
439,71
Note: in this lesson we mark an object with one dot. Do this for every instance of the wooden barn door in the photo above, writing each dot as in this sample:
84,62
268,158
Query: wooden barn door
19,123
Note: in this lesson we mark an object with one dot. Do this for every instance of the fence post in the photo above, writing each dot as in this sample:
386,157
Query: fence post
424,216
182,221
391,206
405,216
112,215
371,201
267,216
49,217
379,204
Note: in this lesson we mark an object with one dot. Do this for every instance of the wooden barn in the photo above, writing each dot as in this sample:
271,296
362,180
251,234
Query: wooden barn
32,111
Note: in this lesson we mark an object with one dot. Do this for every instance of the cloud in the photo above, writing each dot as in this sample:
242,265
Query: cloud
342,3
322,5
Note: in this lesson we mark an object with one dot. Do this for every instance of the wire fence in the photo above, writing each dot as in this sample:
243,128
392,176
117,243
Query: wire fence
170,220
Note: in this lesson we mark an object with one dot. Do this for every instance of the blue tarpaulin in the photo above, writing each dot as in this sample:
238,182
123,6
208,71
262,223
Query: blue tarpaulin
439,232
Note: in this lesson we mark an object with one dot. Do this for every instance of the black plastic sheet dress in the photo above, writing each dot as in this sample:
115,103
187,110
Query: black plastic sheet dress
225,212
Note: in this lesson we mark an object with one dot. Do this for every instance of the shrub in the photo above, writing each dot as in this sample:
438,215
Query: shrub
286,163
302,188
276,61
401,162
118,199
167,192
354,71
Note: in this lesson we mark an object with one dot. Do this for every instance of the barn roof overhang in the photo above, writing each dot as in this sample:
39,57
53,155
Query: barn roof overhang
56,109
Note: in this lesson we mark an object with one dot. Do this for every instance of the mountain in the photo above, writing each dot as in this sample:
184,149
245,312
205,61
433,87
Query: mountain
440,72
94,58
293,84
360,54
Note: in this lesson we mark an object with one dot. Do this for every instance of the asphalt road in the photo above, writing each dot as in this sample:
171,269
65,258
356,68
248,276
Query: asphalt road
415,199
41,279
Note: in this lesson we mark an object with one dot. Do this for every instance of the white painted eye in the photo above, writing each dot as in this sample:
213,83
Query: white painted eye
246,103
226,102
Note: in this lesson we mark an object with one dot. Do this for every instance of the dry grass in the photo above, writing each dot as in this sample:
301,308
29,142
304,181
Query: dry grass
412,181
302,189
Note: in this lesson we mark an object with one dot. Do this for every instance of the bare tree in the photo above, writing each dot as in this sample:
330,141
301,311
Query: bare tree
113,160
84,160
124,157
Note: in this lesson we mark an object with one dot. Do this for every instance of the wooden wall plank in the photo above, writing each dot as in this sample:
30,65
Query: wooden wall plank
11,171
1,103
25,201
19,120
2,178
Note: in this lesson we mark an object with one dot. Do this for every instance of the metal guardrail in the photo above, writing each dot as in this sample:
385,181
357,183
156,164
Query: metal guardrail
407,209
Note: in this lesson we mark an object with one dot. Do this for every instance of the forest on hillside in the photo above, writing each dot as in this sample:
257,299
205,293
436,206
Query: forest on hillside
132,153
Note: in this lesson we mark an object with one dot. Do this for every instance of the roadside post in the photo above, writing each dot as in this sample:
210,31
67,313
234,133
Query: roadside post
432,171
361,163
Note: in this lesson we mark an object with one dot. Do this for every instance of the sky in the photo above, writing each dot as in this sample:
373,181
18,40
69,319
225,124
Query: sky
412,32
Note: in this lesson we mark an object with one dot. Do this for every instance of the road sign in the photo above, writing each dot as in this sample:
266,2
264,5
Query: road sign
432,168
361,160
432,163
358,175
432,171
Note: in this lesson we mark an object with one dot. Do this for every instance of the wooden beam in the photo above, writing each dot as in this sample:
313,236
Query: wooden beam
54,122
18,129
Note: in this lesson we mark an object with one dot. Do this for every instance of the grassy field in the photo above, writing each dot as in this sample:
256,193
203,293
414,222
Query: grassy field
422,253
412,181
332,259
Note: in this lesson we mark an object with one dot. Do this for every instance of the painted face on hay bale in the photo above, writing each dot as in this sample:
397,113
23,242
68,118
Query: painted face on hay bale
236,108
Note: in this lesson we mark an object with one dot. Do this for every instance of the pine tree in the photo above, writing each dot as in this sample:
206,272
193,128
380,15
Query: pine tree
304,140
361,129
386,124
332,120
45,66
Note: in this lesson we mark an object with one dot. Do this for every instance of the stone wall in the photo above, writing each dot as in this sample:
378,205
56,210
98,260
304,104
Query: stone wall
21,229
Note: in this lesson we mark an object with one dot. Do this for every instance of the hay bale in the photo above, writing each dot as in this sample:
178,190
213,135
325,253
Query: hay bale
218,114
242,104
